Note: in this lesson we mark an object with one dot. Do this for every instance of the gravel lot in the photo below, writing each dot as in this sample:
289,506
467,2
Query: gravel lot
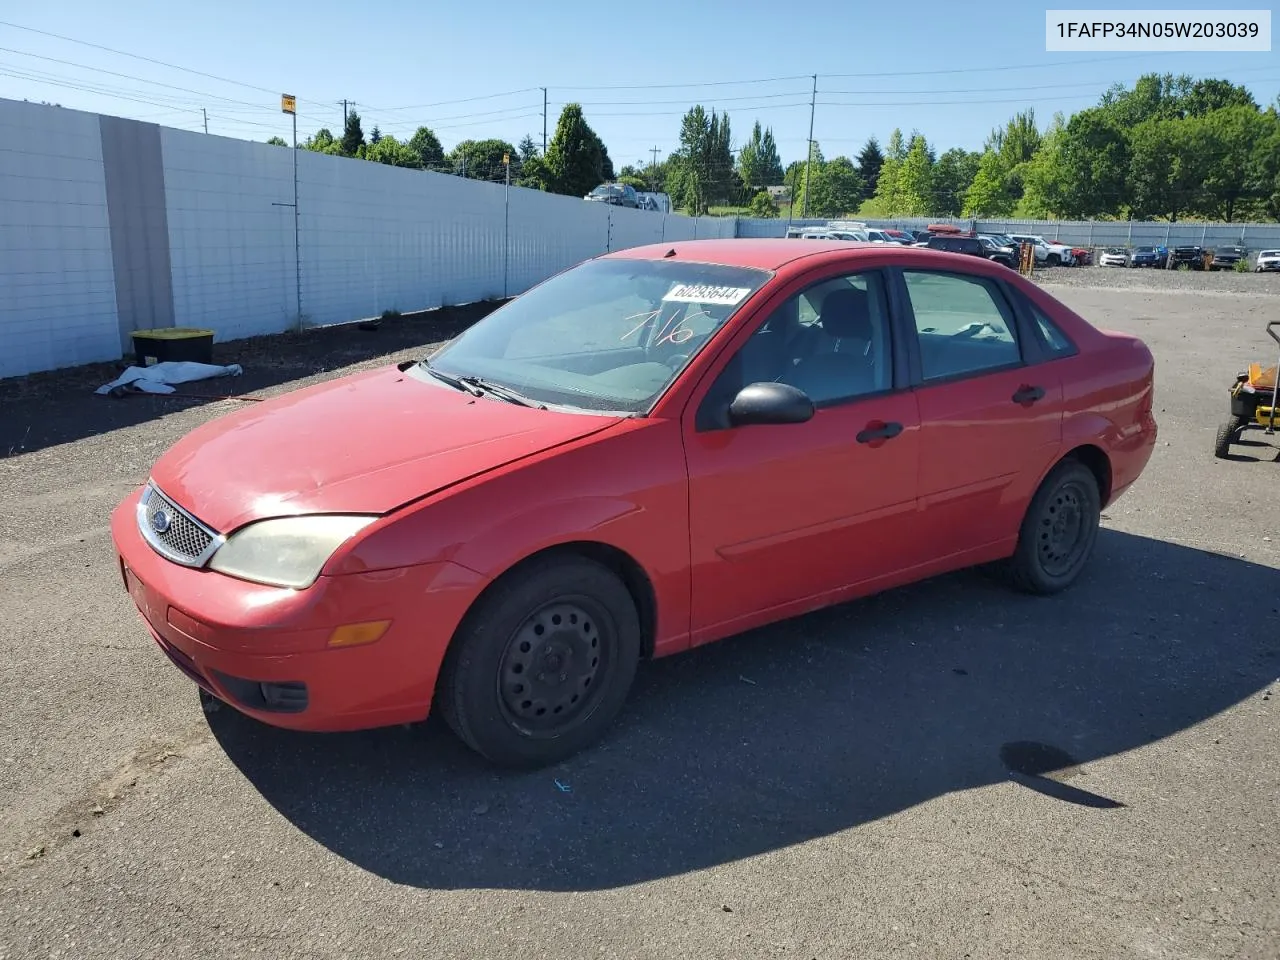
862,782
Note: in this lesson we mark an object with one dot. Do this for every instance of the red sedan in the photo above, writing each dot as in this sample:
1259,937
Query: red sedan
651,451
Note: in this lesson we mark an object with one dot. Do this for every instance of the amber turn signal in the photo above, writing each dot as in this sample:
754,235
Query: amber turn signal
358,634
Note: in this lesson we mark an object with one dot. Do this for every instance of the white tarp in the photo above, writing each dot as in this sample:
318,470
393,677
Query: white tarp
160,377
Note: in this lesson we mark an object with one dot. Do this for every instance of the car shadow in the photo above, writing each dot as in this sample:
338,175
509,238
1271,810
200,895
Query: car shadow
800,730
46,409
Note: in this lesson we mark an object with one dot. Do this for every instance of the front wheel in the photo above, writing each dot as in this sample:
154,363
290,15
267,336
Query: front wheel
544,663
1228,430
1058,532
1053,260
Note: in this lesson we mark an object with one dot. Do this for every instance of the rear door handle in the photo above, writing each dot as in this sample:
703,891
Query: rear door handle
878,431
1026,395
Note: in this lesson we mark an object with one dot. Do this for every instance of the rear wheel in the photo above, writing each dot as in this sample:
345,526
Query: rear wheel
1058,532
543,665
1228,431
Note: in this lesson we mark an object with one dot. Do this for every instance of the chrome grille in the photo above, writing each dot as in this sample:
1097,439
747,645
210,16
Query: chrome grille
172,532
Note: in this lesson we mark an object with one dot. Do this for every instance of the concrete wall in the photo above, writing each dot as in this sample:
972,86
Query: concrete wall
57,280
110,225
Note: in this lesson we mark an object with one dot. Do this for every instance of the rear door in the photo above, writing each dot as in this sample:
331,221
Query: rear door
991,415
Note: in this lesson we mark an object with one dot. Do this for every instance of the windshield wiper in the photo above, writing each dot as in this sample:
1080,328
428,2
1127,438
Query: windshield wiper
501,392
456,382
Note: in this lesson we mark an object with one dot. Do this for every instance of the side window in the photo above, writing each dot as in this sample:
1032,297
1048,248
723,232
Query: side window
831,340
962,323
1055,342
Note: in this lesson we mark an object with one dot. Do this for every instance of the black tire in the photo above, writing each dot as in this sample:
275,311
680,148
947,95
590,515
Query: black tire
1053,260
1227,433
1069,497
567,613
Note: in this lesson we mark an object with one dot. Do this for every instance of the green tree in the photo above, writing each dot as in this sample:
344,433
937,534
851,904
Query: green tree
770,162
574,163
762,206
352,136
1231,137
837,188
1168,163
374,135
870,158
481,159
1208,95
322,141
527,149
1042,186
749,159
426,145
278,142
987,195
915,179
888,200
1095,161
392,152
954,172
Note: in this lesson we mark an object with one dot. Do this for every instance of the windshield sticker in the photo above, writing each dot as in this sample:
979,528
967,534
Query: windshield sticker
706,293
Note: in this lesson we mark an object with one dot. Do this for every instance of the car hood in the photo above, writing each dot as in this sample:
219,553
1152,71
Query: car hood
365,443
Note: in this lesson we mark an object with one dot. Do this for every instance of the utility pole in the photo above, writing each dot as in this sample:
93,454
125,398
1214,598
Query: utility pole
808,161
653,171
205,114
344,114
544,121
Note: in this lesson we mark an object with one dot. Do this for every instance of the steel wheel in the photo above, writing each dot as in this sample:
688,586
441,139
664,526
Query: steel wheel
1061,534
549,675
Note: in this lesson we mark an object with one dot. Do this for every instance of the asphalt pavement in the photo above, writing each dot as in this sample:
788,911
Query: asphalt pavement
947,770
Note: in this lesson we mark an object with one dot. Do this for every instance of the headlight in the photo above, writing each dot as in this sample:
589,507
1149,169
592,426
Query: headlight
288,551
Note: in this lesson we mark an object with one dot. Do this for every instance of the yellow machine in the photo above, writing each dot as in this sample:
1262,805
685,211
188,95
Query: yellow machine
1253,401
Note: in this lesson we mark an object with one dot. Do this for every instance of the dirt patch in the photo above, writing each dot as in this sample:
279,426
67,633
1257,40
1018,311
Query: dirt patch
60,406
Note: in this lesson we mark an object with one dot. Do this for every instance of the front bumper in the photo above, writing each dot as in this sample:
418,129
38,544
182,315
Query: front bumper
265,650
1268,266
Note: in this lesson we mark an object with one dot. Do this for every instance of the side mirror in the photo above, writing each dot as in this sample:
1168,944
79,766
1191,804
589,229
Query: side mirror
770,403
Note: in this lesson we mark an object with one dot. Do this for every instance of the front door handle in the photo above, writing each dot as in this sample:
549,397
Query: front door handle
878,430
1027,395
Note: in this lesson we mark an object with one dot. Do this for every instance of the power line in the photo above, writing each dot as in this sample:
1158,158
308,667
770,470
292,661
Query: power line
1013,66
137,56
125,76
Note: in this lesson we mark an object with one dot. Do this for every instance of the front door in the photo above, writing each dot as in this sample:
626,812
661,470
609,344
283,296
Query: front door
797,512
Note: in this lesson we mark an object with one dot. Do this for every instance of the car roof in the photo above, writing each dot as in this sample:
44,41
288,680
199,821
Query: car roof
766,254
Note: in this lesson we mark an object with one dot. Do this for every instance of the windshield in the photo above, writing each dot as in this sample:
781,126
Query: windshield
1146,250
606,191
606,335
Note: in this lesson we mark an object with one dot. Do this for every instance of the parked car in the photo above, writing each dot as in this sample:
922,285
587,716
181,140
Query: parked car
1081,256
501,531
1226,258
1146,257
1050,254
1188,255
618,194
882,236
1005,254
1267,261
1114,257
901,236
969,246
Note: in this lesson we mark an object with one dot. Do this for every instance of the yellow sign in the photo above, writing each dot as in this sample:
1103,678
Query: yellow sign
288,103
506,158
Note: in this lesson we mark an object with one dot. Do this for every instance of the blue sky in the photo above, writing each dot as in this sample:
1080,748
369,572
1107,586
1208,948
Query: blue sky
472,70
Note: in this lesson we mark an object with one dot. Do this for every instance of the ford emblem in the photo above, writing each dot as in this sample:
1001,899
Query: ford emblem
160,522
